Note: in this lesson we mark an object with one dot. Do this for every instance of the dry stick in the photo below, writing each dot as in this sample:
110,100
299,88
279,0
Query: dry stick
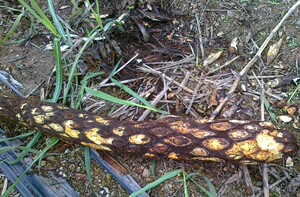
200,35
252,61
247,178
150,70
224,65
154,102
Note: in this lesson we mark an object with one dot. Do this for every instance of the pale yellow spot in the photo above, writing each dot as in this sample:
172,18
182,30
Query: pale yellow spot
56,127
199,151
149,155
65,135
180,127
239,134
221,126
19,117
202,134
235,157
268,143
101,120
266,124
139,139
82,115
215,159
119,131
49,114
94,136
251,127
34,111
62,107
39,119
23,105
245,148
46,108
96,146
72,132
247,162
1,108
202,121
173,156
239,121
46,127
69,129
216,143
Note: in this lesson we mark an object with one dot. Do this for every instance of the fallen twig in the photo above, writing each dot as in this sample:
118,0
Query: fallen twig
252,61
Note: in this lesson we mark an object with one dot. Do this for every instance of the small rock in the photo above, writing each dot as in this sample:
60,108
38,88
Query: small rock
146,173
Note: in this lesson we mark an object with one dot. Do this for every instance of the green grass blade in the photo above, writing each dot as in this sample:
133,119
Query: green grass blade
269,110
186,192
211,187
132,93
84,83
57,23
41,18
110,98
211,192
18,136
13,28
12,148
294,93
58,69
162,179
74,65
87,163
52,142
96,13
29,145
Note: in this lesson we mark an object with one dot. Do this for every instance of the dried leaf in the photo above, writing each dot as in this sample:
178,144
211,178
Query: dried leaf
273,51
212,58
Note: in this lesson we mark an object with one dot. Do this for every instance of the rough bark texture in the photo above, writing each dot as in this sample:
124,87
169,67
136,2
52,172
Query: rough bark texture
197,140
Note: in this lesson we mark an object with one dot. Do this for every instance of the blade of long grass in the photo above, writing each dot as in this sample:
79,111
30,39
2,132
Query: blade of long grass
162,179
57,23
211,192
29,145
294,93
87,163
269,110
132,93
110,98
84,83
96,13
43,18
186,192
74,65
12,148
18,136
58,71
13,28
